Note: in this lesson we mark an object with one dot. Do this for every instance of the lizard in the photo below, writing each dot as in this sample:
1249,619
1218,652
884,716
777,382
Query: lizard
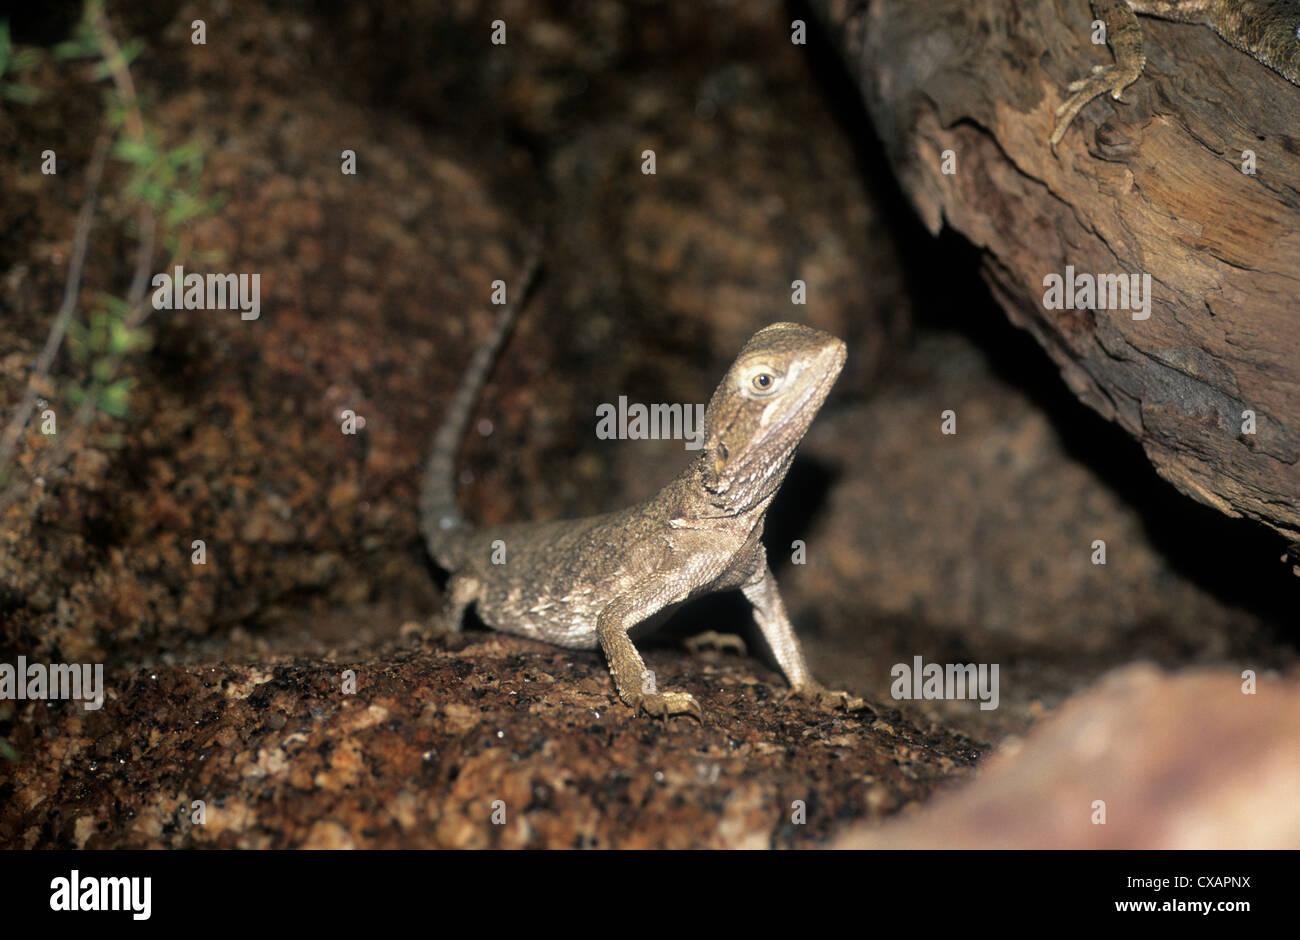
588,583
1267,30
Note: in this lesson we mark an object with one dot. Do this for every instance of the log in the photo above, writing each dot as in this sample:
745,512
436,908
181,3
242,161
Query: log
1152,185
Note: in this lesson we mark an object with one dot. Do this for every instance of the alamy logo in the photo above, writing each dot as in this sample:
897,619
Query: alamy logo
181,291
956,682
638,422
1098,292
76,681
75,893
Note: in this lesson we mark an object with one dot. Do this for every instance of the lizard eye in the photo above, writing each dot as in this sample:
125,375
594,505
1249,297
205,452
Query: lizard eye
763,382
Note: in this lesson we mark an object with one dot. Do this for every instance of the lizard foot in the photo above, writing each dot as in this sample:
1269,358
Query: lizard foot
712,640
440,625
826,699
664,704
1112,78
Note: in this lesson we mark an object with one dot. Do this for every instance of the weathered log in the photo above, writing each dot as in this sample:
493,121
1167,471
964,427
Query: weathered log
1154,185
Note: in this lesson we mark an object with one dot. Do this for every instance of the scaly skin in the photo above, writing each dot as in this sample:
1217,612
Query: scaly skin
590,582
1267,30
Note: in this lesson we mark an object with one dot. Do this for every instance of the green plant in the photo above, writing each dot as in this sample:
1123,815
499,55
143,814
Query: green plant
164,190
98,345
11,63
169,182
165,187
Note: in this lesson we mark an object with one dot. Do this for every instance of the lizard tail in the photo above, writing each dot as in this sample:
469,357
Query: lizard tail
439,514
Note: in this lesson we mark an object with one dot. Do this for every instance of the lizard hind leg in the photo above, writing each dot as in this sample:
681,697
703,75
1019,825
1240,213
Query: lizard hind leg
1124,35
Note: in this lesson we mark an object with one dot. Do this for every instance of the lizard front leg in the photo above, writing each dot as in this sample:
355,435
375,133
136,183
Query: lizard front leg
635,684
770,615
462,590
1124,35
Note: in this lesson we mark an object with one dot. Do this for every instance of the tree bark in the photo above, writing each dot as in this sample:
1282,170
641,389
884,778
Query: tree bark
1153,185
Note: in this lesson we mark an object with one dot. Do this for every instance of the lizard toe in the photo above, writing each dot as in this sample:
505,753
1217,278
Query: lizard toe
719,642
827,699
664,704
1104,78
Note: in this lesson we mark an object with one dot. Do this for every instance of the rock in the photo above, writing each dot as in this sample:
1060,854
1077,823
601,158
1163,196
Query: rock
1181,761
434,737
1139,188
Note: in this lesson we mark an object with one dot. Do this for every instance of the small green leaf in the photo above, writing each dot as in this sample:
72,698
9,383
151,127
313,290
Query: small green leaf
123,340
119,338
113,304
26,59
187,154
6,47
135,152
131,50
152,194
210,257
184,207
114,399
23,94
82,45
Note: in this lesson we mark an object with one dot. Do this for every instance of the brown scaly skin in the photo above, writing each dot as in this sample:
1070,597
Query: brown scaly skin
590,582
1267,30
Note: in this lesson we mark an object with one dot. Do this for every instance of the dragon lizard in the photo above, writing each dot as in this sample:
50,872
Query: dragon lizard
591,582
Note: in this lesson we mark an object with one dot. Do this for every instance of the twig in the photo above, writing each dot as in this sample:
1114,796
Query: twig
71,289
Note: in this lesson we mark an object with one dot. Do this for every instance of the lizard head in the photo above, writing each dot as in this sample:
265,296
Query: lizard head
761,410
